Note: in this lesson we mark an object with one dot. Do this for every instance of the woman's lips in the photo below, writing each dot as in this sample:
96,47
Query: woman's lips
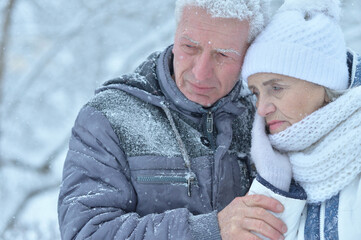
274,125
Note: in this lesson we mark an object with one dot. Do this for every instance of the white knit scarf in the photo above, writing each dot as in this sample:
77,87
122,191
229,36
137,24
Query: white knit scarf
325,147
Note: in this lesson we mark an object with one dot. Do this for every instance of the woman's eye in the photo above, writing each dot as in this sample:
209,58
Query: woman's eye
276,88
255,93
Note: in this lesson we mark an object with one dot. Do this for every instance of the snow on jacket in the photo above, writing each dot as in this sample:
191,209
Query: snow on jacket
338,217
144,162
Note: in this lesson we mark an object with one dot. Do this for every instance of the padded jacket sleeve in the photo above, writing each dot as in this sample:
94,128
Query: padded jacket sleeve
294,203
97,199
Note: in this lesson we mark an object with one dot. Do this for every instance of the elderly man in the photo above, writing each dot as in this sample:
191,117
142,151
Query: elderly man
163,153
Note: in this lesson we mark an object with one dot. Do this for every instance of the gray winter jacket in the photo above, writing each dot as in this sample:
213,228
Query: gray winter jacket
144,162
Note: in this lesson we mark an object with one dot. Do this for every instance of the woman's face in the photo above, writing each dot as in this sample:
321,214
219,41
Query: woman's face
284,100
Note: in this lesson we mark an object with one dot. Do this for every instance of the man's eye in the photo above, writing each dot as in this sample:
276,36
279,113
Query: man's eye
222,55
223,58
188,48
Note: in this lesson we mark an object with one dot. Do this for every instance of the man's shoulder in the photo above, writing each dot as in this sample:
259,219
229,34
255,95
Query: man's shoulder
130,88
110,99
143,78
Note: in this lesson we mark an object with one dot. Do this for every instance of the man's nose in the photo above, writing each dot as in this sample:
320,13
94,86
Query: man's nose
265,106
203,67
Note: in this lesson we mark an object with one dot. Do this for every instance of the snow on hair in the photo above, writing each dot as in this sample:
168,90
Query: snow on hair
255,11
330,8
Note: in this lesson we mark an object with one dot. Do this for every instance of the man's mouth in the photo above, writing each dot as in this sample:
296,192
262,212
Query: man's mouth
200,88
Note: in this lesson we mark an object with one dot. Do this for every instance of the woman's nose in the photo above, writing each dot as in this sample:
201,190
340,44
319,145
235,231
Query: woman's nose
265,107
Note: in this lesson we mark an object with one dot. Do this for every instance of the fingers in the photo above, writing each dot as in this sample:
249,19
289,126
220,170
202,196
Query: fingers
263,216
247,216
264,223
261,228
232,229
262,201
239,235
259,220
247,228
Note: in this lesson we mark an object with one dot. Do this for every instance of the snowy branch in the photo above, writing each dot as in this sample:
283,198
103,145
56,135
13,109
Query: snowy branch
44,168
4,40
65,38
25,200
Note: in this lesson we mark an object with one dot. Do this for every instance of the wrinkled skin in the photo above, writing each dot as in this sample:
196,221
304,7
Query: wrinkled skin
284,100
208,55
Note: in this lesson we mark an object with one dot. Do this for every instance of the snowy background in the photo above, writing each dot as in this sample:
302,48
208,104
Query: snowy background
53,54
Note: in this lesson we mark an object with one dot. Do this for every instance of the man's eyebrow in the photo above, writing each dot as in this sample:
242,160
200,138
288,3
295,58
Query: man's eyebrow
191,40
228,51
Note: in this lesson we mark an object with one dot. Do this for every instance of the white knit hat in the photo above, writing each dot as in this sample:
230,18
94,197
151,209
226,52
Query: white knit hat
304,41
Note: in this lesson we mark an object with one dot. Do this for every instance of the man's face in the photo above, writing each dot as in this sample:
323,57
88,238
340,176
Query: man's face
208,55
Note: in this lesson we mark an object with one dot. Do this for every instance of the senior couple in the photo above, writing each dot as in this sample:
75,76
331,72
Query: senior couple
176,150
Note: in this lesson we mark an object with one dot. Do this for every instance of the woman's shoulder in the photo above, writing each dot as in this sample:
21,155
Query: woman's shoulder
349,213
350,196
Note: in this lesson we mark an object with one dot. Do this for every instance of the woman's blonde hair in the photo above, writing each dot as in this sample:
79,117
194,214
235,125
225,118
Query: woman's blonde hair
334,94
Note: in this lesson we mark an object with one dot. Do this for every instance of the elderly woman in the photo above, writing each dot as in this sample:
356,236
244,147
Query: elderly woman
308,122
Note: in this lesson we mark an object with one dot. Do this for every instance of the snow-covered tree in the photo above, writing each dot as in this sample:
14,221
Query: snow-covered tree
53,54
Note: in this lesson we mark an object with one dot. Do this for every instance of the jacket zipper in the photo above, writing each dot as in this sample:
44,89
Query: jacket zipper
209,122
210,137
169,179
209,127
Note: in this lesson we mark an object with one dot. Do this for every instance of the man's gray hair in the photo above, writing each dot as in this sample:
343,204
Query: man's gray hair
256,12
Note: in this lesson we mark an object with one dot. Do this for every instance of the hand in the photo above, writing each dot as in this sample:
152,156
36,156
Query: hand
249,213
273,166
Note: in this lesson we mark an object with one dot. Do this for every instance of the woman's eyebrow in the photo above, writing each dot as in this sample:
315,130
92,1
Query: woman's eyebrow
268,82
273,80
